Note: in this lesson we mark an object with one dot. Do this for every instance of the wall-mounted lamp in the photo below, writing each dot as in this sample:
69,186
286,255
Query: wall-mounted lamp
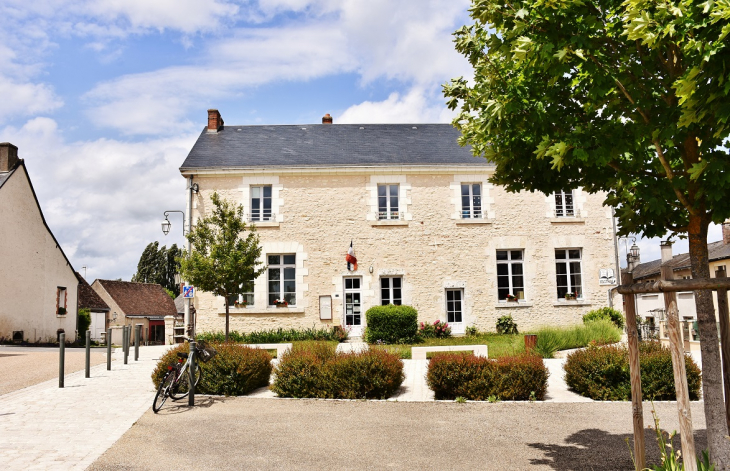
195,188
166,224
370,269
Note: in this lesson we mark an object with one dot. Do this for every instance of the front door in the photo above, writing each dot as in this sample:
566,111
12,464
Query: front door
455,310
353,307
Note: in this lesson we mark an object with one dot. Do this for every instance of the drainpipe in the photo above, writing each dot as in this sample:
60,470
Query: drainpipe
615,254
189,323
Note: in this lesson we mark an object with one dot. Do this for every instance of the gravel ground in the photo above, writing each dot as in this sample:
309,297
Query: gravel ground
247,433
25,366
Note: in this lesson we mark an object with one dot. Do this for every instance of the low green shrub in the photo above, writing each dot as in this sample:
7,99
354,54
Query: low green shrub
320,372
602,373
606,313
84,321
518,378
471,331
437,330
506,325
552,339
336,333
235,371
391,324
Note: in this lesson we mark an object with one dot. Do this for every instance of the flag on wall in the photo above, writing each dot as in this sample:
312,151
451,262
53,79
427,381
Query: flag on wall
351,260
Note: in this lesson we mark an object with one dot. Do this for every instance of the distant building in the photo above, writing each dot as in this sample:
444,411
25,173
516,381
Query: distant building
38,293
427,228
98,309
139,303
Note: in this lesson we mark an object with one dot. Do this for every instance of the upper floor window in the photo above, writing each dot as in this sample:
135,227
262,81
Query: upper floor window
282,279
569,271
510,279
245,298
388,202
471,200
391,290
61,297
261,203
564,203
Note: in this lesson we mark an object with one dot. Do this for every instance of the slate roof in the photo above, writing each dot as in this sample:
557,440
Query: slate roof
180,304
140,299
329,145
717,251
88,299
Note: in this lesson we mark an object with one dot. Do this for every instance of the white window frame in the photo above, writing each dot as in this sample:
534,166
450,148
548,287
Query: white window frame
562,208
346,291
569,287
390,288
472,210
247,295
261,216
461,304
510,263
281,295
389,213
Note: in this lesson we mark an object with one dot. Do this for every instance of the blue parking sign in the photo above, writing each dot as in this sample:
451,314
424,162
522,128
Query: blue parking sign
188,291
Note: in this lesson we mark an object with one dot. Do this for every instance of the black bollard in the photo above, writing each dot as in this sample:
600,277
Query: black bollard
125,346
136,341
109,349
88,354
61,358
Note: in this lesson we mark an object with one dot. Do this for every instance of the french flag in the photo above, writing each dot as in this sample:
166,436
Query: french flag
351,260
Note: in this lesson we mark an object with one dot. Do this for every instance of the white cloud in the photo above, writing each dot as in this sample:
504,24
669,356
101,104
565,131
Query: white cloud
26,98
103,199
417,106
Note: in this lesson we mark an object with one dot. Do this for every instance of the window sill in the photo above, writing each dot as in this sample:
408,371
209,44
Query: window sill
389,222
264,223
61,315
568,220
266,310
579,302
468,221
512,305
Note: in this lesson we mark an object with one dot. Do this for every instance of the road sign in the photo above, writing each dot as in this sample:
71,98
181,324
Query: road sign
188,291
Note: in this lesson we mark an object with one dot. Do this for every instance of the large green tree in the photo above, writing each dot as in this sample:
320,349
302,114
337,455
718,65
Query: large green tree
159,265
628,97
224,259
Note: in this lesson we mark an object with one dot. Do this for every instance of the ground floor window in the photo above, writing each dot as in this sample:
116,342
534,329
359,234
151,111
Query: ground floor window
353,302
391,290
454,313
568,269
245,298
282,279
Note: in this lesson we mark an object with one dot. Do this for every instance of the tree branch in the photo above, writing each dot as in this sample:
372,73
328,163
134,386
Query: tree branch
670,176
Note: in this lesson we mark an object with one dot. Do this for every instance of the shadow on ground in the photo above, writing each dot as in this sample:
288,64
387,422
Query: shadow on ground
595,449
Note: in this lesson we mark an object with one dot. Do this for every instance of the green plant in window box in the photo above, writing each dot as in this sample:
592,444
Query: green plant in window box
240,304
281,303
61,311
571,296
512,298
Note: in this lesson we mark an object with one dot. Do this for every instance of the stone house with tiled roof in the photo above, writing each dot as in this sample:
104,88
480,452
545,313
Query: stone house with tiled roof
139,303
98,309
427,228
38,291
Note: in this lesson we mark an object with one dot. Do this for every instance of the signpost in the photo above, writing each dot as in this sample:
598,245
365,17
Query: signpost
188,292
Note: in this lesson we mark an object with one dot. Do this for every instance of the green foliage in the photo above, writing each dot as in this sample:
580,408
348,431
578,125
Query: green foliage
235,371
670,456
552,339
606,313
317,370
335,333
222,261
471,331
506,325
159,265
438,330
602,373
517,378
83,323
391,324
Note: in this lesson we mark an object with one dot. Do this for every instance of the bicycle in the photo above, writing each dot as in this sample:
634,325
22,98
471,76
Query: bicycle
176,383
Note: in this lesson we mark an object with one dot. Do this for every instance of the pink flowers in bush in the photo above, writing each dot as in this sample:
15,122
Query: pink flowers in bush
438,329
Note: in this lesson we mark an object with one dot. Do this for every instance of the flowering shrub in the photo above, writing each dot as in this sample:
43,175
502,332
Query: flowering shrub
602,373
317,370
437,329
518,378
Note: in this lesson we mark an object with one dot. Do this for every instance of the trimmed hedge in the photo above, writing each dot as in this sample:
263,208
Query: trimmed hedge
606,313
391,324
517,378
602,373
318,371
235,371
279,335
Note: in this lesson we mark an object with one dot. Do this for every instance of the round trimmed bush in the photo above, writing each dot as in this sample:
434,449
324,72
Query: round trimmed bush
606,313
602,373
318,371
235,371
391,324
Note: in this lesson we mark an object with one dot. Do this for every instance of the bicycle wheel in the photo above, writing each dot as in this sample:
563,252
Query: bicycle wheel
181,388
162,392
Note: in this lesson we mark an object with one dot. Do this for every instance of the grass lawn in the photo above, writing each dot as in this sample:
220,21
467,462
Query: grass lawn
497,345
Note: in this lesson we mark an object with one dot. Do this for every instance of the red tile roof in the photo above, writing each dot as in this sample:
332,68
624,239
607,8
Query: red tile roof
140,299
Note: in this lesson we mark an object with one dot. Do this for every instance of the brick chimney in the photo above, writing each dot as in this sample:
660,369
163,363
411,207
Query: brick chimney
215,122
8,156
725,227
327,119
666,247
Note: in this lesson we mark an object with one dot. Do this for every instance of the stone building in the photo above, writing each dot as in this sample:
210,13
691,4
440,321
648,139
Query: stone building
38,291
426,227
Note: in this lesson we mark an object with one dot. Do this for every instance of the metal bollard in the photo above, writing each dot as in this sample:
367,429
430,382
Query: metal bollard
109,349
88,354
136,341
125,346
191,397
61,358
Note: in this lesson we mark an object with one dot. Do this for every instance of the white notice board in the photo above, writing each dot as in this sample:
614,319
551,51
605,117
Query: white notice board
325,307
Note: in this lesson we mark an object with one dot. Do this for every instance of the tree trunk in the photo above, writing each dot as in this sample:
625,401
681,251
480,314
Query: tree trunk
712,387
226,298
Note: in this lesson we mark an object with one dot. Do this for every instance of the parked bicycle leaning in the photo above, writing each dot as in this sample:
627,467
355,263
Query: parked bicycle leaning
176,383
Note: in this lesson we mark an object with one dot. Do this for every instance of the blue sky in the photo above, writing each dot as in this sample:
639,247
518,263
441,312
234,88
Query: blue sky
104,98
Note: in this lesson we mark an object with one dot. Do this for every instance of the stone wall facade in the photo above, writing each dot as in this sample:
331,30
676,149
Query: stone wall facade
318,214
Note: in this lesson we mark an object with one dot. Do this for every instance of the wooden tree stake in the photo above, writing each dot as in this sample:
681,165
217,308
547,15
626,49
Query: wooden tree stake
635,373
724,315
